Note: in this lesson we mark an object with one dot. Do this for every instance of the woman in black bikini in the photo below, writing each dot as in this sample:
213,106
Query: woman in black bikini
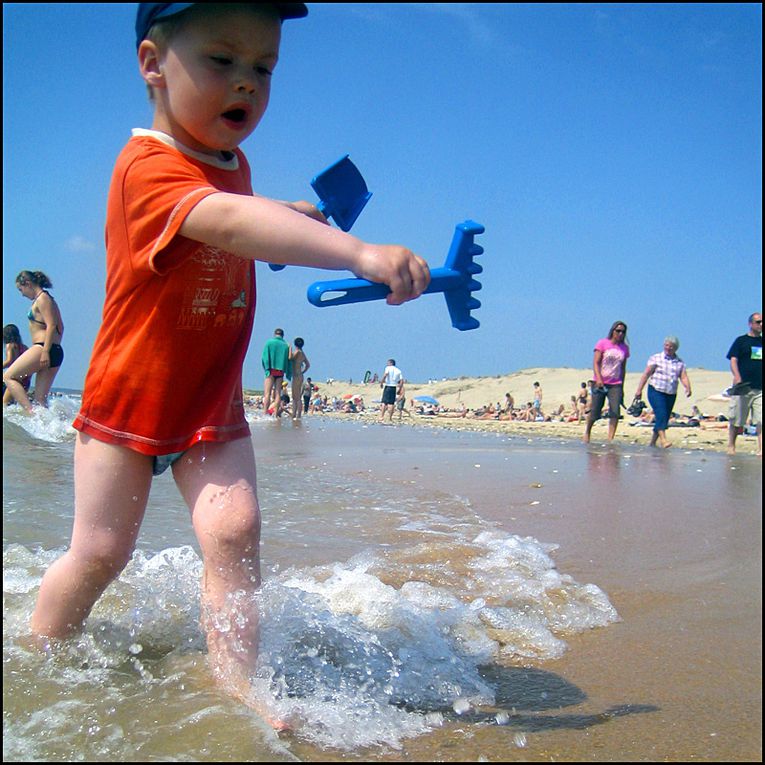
45,355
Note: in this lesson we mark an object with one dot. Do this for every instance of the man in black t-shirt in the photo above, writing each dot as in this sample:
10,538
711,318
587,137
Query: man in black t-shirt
746,365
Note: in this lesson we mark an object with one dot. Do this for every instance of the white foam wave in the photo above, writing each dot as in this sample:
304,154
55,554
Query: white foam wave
52,424
357,660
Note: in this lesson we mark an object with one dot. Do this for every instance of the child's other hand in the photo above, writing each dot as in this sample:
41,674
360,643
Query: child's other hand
309,210
405,273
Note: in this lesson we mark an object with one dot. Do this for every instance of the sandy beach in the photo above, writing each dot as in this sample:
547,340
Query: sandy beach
509,598
558,385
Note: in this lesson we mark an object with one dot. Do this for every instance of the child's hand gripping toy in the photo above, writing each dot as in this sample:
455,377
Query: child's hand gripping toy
343,194
455,280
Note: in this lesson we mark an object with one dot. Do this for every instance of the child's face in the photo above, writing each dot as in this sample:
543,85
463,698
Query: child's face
215,76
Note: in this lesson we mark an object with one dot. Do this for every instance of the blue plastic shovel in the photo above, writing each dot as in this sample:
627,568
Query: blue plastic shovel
455,280
343,194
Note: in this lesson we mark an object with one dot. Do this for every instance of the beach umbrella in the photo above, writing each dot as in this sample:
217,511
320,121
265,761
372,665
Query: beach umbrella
427,400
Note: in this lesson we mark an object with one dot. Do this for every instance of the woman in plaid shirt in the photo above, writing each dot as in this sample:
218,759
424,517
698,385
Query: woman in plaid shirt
663,373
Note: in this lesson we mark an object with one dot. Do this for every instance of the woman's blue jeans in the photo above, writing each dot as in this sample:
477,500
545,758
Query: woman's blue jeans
662,405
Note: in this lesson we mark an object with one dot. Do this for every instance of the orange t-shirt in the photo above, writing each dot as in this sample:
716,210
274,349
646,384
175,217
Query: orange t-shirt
166,368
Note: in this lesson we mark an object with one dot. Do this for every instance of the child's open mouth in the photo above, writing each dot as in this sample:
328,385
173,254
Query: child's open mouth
237,116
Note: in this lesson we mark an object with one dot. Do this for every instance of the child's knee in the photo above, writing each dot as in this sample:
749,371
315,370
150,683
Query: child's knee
232,528
103,567
104,564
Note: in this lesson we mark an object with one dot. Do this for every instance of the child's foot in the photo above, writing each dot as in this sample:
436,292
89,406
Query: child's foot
242,691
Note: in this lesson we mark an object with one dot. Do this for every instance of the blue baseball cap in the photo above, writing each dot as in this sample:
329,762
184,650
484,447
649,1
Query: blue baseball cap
148,13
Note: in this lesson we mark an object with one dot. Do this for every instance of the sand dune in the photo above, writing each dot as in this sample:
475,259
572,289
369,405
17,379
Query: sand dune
558,385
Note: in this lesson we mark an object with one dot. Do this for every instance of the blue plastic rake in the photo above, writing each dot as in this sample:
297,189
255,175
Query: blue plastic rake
342,193
454,279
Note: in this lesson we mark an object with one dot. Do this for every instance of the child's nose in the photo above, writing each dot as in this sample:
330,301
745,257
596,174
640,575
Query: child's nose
245,81
245,85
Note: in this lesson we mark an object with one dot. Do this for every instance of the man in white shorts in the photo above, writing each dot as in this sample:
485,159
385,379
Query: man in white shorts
392,381
746,396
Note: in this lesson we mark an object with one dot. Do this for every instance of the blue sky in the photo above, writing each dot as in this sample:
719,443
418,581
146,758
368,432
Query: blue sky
613,153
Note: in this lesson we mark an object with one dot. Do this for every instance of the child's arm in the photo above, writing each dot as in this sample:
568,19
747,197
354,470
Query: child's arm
306,208
258,228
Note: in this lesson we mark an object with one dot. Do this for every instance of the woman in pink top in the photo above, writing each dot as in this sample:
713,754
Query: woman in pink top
609,365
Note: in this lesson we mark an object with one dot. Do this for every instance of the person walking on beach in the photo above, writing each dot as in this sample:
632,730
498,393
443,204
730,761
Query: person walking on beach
45,356
401,402
538,413
745,356
609,366
306,393
276,366
581,401
183,229
392,381
299,366
14,347
663,373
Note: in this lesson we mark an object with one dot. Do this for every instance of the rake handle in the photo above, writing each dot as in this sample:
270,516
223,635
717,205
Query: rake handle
362,290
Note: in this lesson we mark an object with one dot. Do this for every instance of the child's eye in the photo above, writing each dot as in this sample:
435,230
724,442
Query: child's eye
264,71
221,60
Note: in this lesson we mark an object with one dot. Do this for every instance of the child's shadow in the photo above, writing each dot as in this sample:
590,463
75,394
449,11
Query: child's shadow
520,691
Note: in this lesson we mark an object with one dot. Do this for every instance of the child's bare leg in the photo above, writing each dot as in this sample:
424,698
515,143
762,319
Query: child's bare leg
111,488
218,483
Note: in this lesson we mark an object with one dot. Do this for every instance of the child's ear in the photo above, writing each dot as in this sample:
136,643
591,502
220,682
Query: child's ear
150,64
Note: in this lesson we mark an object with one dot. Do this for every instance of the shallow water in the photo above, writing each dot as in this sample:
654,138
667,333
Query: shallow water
428,596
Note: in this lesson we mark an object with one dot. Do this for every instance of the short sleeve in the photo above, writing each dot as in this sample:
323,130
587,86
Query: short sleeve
158,193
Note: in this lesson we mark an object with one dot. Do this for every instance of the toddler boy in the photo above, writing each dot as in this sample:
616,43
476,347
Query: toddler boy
164,384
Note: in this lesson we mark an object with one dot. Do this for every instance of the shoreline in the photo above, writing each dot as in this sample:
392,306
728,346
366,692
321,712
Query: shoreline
558,385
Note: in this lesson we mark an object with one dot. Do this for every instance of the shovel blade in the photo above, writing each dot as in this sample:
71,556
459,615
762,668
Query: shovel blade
342,191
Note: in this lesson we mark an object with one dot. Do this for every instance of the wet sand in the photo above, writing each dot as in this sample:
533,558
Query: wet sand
674,539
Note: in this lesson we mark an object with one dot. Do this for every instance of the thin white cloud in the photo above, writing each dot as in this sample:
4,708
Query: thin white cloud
474,20
472,17
79,244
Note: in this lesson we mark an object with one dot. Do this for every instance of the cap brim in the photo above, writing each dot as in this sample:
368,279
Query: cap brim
292,10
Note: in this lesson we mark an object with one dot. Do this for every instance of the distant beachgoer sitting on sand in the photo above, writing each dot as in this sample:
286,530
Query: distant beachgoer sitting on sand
462,412
527,414
646,419
574,414
486,413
